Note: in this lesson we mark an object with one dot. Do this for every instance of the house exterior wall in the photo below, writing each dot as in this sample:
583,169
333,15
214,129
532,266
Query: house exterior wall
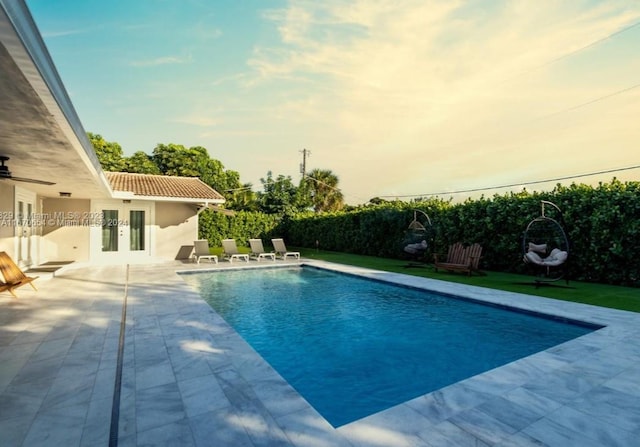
7,226
65,229
176,229
64,226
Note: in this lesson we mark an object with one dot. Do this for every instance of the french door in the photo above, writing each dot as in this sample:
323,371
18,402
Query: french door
26,247
121,233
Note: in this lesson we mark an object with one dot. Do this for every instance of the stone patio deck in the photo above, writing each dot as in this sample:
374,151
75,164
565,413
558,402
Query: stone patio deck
189,379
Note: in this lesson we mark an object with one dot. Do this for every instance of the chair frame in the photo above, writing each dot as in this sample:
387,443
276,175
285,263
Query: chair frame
258,251
230,251
13,276
460,259
281,249
206,254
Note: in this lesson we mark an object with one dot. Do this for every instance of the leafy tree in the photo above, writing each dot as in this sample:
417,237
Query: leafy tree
109,153
243,199
280,195
141,163
325,194
175,159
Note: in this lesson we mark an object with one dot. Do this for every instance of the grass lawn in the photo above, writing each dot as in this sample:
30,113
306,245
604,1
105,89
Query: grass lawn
624,298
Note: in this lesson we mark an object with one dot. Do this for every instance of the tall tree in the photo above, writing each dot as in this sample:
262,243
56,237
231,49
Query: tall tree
322,185
109,153
141,163
243,198
279,195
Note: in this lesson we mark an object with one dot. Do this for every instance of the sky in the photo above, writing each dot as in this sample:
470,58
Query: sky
398,98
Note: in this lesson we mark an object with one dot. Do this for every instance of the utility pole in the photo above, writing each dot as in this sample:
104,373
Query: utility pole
303,165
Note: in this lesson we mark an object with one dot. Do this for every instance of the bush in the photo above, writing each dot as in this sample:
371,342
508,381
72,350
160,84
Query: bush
602,223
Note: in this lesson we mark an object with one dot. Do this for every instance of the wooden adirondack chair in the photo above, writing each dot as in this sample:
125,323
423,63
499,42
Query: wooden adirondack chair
460,259
13,276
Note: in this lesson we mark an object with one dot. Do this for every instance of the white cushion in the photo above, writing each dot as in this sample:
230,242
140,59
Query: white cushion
534,257
556,257
540,248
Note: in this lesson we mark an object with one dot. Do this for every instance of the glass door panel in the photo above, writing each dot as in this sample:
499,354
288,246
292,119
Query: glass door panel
110,230
136,230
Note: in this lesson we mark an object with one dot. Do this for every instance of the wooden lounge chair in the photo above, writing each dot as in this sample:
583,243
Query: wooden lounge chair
13,276
231,250
460,259
201,251
258,252
281,249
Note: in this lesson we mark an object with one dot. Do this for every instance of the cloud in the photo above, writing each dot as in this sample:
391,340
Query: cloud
196,120
447,90
64,33
164,60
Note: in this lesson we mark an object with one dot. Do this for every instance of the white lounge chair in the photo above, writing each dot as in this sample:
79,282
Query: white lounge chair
231,250
258,252
281,249
201,251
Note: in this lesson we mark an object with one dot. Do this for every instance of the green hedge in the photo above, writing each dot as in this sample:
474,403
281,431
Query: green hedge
603,225
242,226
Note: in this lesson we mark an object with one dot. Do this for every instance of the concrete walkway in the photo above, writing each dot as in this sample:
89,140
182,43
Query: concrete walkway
188,379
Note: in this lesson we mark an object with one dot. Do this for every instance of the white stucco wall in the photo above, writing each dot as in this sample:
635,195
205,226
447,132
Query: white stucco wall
65,231
176,228
6,221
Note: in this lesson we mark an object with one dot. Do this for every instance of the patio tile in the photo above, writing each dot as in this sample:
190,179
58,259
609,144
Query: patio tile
69,391
448,434
567,426
510,413
158,406
445,403
172,434
14,430
188,378
400,425
153,372
202,395
533,402
627,382
97,425
18,405
307,428
611,407
37,370
483,426
218,428
57,426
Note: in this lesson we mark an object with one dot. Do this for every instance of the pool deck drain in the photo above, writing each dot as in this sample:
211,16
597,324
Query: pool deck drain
188,379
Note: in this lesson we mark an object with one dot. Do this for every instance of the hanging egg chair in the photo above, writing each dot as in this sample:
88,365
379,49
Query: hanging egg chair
418,237
545,246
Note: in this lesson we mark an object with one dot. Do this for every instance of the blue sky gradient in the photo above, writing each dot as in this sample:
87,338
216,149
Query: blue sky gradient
397,97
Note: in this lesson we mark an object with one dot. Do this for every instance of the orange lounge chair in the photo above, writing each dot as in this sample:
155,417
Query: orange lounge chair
13,276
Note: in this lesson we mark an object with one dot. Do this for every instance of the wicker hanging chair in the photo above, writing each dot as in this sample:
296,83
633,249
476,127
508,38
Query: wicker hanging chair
546,246
418,237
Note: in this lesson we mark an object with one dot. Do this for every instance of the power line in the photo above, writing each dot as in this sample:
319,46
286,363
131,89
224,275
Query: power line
577,50
595,42
569,177
600,98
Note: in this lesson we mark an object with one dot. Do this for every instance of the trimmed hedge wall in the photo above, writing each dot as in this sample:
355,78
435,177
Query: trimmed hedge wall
602,223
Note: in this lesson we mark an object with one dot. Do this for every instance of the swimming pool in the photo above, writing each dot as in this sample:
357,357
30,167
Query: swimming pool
352,347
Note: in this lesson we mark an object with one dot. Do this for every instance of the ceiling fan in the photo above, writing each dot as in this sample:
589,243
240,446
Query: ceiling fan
6,174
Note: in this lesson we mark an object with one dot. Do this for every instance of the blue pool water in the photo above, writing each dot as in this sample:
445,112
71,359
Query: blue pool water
353,347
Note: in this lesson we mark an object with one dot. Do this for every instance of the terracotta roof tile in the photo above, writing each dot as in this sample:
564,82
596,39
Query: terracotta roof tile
162,186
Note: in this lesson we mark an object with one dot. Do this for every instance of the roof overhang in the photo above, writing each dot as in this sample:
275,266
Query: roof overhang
125,195
39,128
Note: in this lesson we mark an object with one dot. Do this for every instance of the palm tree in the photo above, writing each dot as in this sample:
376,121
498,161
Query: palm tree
323,187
